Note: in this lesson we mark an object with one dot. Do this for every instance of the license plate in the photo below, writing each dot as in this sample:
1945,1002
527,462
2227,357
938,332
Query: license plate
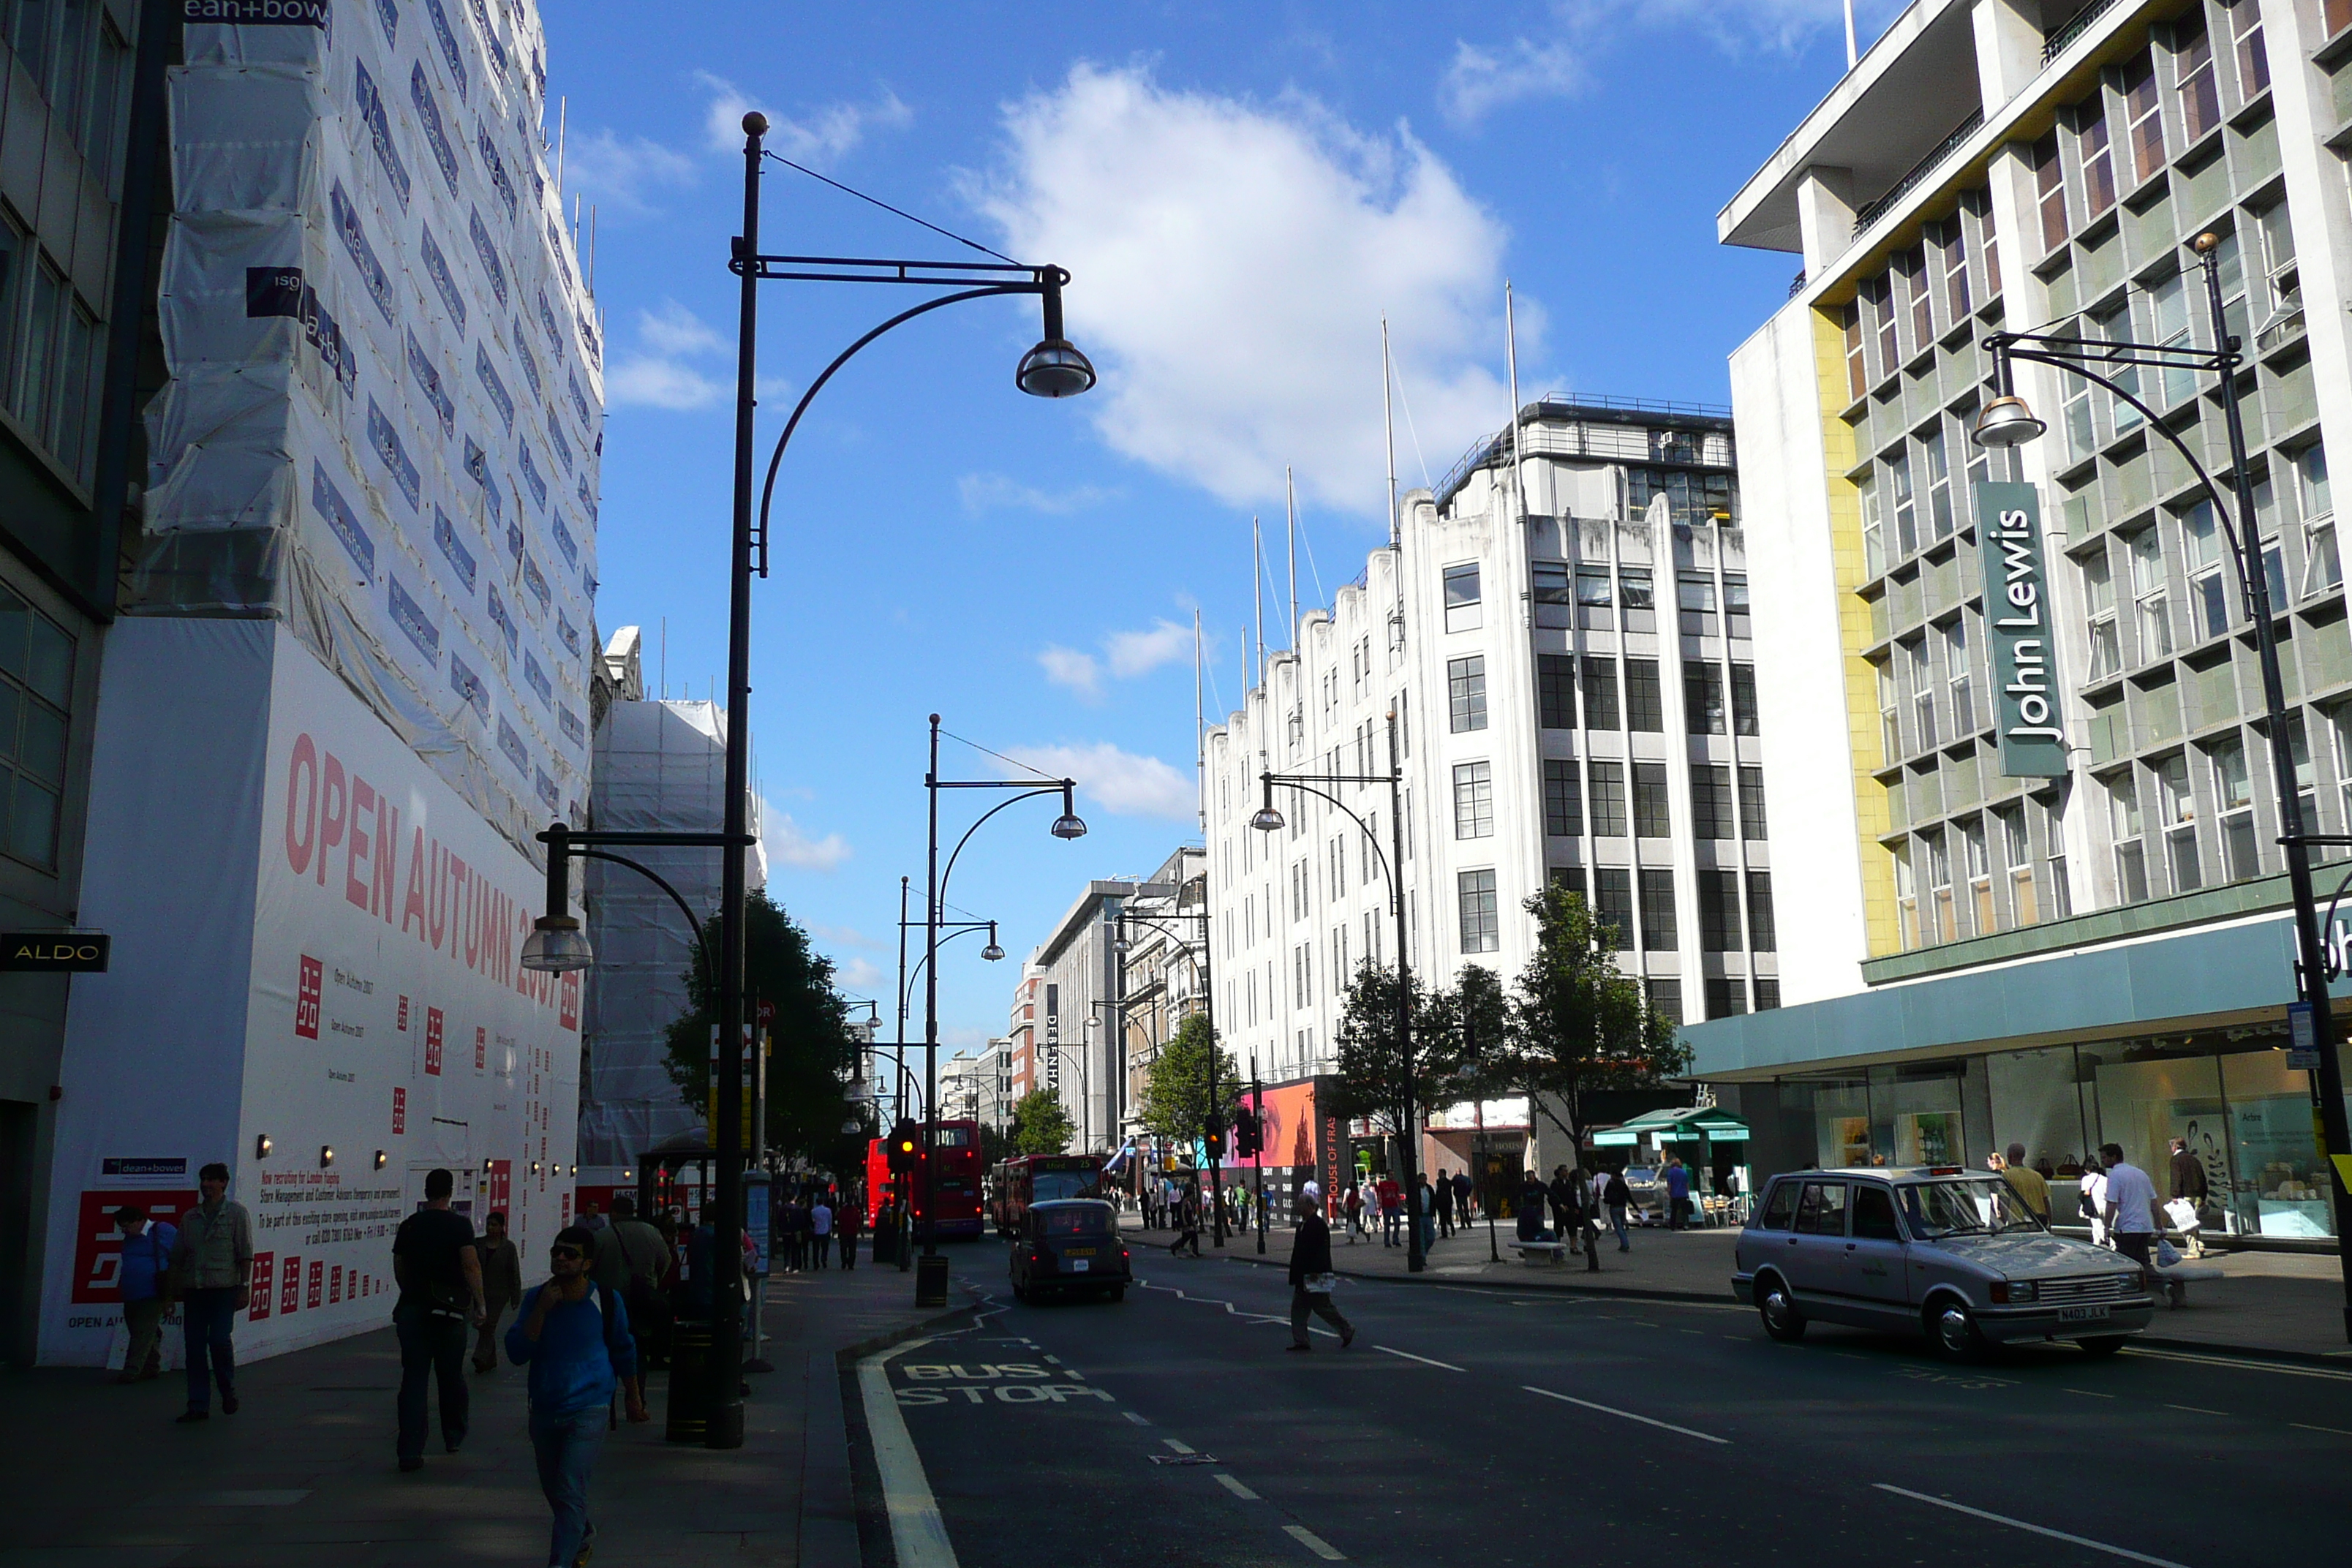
2081,1314
1080,1265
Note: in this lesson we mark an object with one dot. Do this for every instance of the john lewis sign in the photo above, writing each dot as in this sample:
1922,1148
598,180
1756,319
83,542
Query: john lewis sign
2018,624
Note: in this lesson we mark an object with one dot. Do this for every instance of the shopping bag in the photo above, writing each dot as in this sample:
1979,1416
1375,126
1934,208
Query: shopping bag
2183,1214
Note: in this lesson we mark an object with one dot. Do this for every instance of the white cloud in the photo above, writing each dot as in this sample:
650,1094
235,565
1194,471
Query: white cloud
658,376
990,492
1078,671
788,845
1123,783
824,136
1139,653
626,175
1231,263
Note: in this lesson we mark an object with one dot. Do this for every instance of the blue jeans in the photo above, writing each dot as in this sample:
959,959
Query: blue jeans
206,1318
435,1347
566,1444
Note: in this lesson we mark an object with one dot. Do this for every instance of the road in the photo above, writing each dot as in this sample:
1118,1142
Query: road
1475,1426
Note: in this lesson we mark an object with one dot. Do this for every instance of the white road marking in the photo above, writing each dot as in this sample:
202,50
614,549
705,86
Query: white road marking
1236,1488
1422,1359
2320,1372
1613,1410
1315,1543
1180,1448
917,1532
2035,1529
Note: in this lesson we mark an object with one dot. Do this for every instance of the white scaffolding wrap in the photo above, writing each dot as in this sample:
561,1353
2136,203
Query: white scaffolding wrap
386,401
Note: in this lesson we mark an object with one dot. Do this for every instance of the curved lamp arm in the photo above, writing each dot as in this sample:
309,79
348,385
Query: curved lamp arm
1270,780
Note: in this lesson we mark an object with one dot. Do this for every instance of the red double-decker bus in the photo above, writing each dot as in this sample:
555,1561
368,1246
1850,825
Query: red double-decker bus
956,1184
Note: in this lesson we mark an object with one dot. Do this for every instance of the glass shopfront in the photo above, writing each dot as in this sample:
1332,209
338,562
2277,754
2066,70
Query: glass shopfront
2243,1113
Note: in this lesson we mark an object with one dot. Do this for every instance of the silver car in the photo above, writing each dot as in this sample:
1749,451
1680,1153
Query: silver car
1941,1251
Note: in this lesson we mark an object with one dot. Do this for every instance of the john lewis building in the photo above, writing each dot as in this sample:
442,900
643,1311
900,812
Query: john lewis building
2102,955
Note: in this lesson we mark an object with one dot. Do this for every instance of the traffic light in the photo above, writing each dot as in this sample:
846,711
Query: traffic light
1246,1141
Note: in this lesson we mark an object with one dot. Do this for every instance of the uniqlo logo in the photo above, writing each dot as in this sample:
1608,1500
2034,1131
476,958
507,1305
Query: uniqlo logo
335,1286
265,1265
289,1289
399,1110
481,1049
318,1283
309,996
433,1041
401,1021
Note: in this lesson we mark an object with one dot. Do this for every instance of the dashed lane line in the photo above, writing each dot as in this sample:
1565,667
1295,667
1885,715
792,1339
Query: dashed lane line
1424,1360
2034,1529
1235,1487
1613,1410
1315,1543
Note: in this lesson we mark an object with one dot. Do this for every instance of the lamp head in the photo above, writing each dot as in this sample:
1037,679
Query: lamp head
556,946
2007,422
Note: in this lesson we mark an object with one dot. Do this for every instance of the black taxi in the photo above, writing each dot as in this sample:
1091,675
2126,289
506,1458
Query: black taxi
1069,1247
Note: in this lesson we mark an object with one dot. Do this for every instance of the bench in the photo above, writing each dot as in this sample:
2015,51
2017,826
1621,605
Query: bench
1535,1253
2175,1281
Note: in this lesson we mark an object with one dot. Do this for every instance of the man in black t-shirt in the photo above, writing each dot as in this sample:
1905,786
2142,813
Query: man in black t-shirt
440,1277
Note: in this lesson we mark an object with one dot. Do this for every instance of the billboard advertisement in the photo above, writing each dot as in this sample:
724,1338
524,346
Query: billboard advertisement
314,981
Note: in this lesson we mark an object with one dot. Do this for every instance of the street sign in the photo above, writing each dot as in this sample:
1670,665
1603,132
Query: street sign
2302,1041
54,951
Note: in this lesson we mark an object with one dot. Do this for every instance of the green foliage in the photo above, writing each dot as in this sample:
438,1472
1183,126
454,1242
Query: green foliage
1175,1104
1040,1125
1371,1078
812,1048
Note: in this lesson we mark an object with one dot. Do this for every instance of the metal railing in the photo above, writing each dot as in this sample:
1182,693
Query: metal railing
1919,171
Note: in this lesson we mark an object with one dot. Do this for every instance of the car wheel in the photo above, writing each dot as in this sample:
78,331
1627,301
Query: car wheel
1952,1329
1781,1319
2103,1345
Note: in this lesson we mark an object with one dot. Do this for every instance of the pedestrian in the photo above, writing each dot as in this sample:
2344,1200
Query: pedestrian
2129,1205
501,1266
211,1278
440,1279
1187,1225
1391,1211
2093,1205
820,1231
2026,1182
1311,1279
575,1340
2188,1186
1462,1186
144,1275
844,1228
1614,1196
1678,1191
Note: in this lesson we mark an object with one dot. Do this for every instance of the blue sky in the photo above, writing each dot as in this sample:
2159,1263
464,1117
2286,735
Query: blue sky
1240,192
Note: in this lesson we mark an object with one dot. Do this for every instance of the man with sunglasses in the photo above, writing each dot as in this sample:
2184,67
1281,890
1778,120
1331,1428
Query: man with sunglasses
575,1340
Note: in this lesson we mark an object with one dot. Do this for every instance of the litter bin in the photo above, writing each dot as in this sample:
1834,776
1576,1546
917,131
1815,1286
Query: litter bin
689,1381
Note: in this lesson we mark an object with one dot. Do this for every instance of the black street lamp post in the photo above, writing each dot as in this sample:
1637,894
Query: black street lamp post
1268,820
2007,421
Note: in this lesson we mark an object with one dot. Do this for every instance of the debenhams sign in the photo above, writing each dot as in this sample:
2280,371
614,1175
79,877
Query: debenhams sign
2017,617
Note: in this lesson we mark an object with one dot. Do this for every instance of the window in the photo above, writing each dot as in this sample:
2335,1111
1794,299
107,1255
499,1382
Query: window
2176,808
2050,192
1761,936
1548,582
1556,691
1914,267
1481,930
2321,567
1474,800
1751,804
2208,596
1465,692
1645,708
1594,597
1711,801
1743,700
1923,694
1939,485
1906,511
1718,911
2092,146
36,665
1857,364
2192,76
1563,799
2233,792
2131,854
2099,603
1461,598
2144,118
2253,64
1956,672
1955,247
1735,605
1601,692
2150,592
1612,904
1608,800
1665,999
1651,817
1658,933
1694,596
1726,996
1977,858
1637,599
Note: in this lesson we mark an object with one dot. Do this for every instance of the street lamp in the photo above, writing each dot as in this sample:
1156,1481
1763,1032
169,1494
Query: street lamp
2007,421
1268,820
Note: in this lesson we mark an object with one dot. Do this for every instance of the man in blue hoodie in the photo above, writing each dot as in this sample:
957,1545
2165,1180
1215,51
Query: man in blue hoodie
575,1340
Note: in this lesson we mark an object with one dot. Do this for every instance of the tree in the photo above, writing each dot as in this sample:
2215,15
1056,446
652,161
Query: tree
1371,1077
1580,1023
812,1048
1040,1125
1175,1106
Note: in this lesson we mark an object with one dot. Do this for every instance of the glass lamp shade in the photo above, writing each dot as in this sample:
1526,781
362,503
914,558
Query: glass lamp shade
1268,820
556,946
1055,368
2007,422
1069,826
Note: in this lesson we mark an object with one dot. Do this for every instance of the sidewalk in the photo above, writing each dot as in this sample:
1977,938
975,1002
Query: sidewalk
99,1477
2269,1302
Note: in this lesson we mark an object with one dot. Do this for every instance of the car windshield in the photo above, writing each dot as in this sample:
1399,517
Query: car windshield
1966,1208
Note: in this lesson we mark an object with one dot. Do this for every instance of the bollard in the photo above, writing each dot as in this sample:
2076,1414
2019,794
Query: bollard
689,1381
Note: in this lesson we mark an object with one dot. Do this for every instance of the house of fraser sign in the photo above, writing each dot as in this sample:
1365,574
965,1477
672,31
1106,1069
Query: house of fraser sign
2018,628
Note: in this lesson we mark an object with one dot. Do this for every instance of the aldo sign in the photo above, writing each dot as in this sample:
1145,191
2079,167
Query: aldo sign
2017,619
